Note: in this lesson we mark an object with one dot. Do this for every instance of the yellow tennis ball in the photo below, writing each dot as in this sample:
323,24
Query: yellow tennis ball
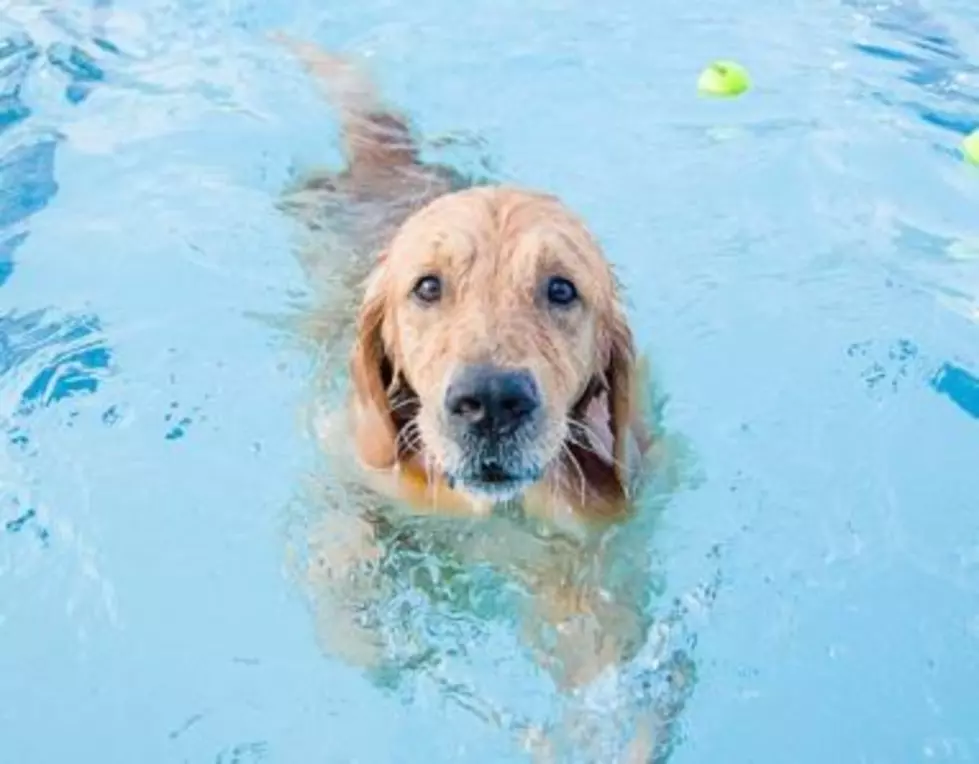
724,79
970,147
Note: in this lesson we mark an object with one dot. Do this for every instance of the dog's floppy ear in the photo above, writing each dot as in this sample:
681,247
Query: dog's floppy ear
620,376
374,430
611,428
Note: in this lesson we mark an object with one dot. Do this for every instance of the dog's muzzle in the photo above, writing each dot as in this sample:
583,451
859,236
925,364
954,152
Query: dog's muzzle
492,414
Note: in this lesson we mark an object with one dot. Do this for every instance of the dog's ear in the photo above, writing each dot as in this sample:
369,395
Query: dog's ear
371,375
609,415
620,377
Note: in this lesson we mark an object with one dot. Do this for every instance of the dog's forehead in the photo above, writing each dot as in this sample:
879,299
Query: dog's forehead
498,232
434,233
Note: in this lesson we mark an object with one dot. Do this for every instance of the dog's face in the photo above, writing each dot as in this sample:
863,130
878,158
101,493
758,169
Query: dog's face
489,330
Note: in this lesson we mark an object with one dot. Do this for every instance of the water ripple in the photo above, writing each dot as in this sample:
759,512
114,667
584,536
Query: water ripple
888,368
27,181
44,360
959,386
935,63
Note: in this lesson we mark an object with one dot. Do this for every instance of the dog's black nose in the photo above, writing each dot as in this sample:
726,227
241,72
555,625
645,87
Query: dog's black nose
490,400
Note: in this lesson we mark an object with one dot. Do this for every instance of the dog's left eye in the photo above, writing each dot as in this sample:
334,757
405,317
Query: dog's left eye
428,289
560,291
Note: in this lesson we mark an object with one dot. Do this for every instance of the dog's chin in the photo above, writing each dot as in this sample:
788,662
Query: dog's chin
494,482
496,490
491,470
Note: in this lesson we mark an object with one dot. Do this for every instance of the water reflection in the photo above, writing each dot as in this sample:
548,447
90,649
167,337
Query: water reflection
934,64
27,181
888,367
27,169
45,357
960,386
933,61
80,67
60,357
17,51
7,248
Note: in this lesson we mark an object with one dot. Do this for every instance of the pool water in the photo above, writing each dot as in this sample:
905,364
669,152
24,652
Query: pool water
803,269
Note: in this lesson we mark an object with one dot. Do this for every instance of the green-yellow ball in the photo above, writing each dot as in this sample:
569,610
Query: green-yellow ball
723,79
970,147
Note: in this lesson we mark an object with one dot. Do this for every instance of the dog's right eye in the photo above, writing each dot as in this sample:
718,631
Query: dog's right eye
428,289
561,292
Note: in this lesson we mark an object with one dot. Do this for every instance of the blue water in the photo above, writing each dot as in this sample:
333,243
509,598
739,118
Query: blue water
803,265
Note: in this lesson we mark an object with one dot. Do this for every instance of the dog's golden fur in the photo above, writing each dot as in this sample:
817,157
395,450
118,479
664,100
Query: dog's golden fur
492,246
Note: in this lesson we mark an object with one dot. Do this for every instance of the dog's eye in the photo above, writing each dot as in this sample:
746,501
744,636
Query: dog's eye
560,291
428,289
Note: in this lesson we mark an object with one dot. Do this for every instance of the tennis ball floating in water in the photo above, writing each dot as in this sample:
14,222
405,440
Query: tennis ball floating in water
970,147
723,79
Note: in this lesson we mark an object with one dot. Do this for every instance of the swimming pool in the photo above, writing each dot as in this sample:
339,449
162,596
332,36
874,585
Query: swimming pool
804,270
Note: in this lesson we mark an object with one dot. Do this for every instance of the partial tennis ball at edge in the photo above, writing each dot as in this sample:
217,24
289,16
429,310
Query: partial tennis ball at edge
723,78
970,147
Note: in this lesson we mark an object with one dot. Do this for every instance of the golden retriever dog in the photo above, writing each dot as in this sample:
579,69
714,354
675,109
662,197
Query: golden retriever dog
494,390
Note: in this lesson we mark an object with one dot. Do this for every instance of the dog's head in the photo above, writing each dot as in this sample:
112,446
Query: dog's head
492,346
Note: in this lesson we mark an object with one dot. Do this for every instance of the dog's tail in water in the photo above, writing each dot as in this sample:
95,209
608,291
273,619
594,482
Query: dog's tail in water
375,137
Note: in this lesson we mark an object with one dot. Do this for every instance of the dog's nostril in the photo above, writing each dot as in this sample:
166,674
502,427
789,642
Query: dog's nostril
517,404
468,407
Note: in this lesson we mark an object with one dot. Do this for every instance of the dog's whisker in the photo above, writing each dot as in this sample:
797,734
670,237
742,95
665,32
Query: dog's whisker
409,443
577,465
395,405
409,437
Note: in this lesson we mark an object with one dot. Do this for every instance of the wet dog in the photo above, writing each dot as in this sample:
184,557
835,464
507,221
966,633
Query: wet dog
491,367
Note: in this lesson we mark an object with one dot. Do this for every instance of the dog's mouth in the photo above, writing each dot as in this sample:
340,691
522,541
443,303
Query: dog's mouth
494,467
493,473
493,478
